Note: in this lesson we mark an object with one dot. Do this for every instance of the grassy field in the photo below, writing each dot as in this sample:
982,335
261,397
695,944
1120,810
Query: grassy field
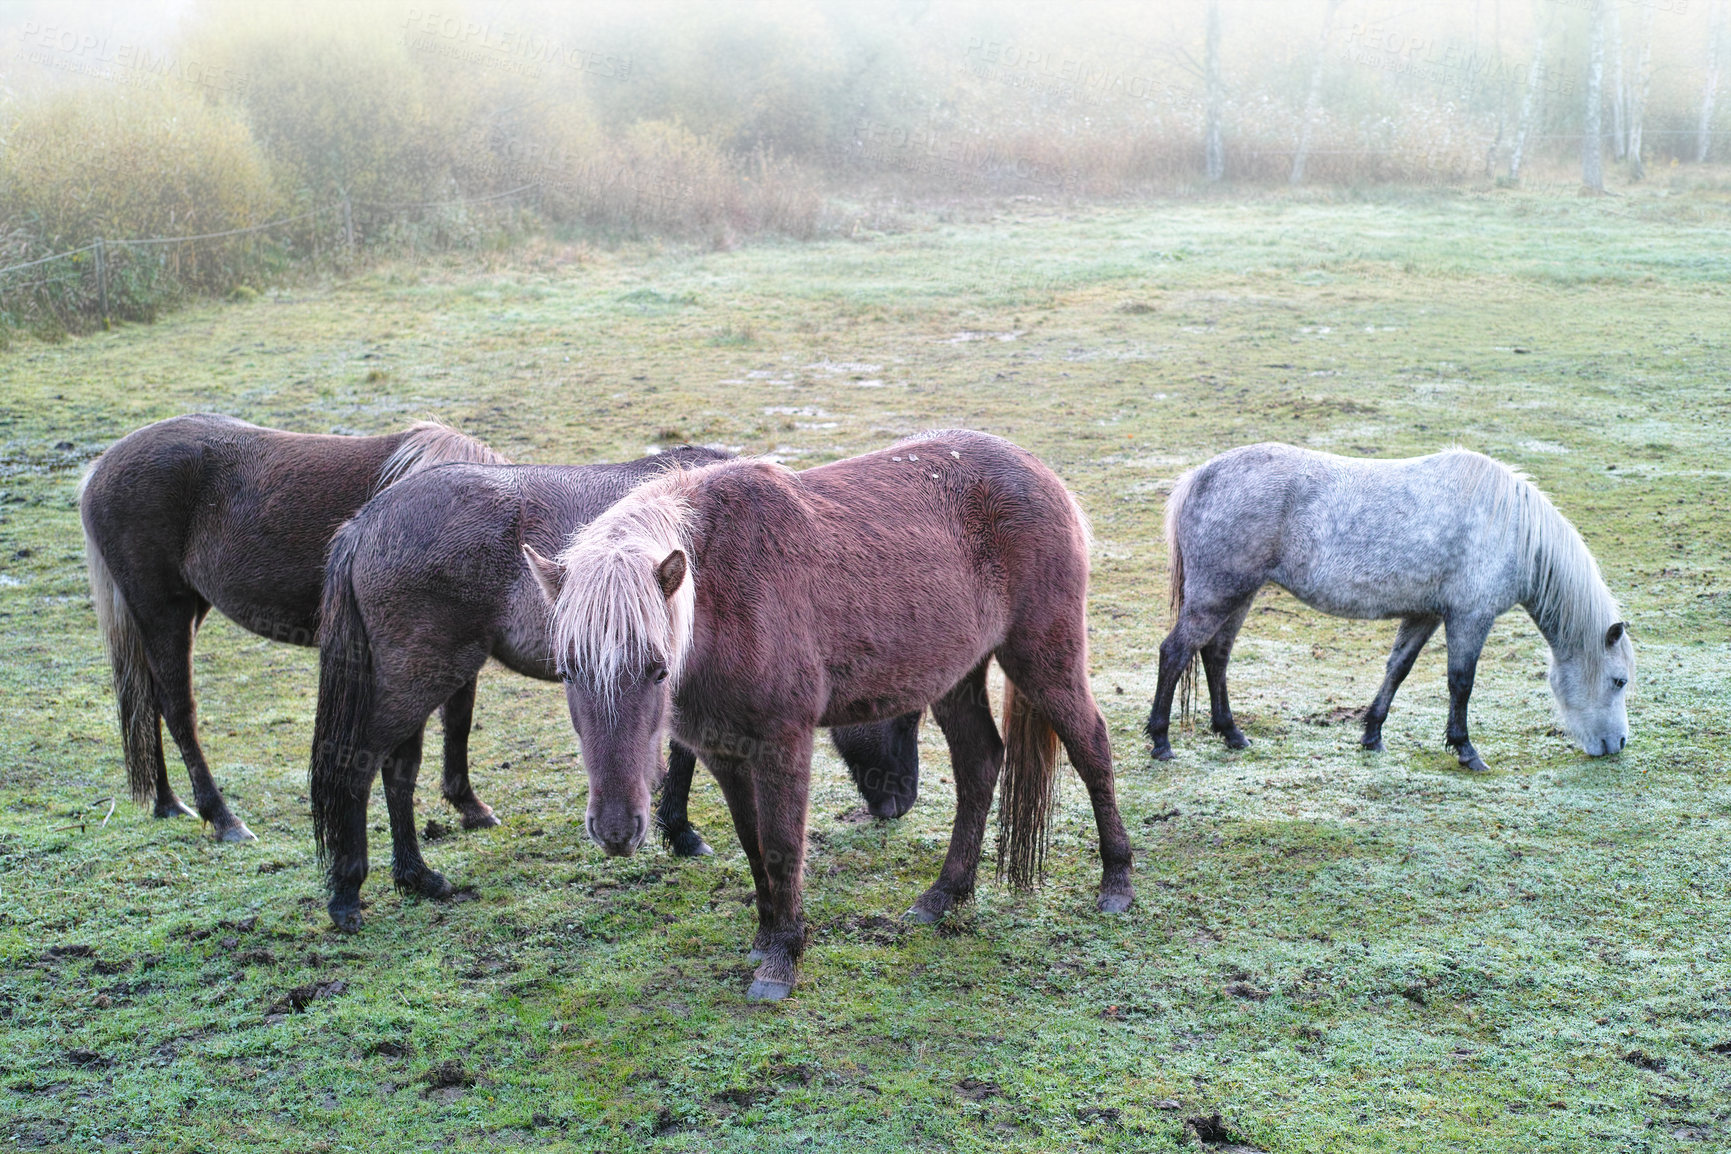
1331,950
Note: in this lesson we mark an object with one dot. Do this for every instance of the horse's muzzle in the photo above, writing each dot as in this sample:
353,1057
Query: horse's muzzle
618,842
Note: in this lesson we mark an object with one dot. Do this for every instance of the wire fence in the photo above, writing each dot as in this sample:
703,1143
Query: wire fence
98,275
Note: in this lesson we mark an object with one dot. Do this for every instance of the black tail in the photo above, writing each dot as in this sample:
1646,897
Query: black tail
134,687
1175,552
345,698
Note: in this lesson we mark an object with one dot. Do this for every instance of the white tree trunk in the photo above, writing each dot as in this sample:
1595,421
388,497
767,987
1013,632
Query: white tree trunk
1619,93
1213,147
1710,91
1643,86
1592,131
1529,102
1313,102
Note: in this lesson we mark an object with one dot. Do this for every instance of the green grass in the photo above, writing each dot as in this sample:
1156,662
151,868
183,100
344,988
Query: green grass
1531,960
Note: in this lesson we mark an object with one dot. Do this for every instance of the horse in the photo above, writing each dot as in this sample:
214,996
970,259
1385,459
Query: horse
425,583
749,605
1453,539
204,510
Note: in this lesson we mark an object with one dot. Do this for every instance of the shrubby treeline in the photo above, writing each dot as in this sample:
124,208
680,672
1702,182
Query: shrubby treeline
412,127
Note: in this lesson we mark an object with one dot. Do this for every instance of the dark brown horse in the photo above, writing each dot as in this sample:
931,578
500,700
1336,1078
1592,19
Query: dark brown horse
206,510
423,585
748,605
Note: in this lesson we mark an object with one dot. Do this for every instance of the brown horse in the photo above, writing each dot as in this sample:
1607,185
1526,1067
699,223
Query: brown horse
426,583
750,605
206,510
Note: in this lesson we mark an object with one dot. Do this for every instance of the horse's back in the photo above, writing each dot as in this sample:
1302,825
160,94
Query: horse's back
1351,536
239,513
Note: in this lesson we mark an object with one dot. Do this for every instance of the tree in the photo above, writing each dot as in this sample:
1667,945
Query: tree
1643,87
1530,102
1710,91
1619,93
1313,102
1213,149
1592,131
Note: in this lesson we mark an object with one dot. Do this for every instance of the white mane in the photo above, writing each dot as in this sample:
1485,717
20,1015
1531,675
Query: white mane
430,443
1566,593
611,615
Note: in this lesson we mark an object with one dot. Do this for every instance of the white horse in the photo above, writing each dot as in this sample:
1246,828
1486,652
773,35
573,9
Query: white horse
1454,539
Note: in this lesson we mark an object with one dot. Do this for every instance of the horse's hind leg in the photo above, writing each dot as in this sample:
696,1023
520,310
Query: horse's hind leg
1062,694
458,716
1414,632
168,629
1198,622
408,870
1215,655
976,757
672,815
1466,639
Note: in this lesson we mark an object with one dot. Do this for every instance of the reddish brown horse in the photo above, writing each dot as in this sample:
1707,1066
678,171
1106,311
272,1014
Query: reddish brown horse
426,583
749,605
207,510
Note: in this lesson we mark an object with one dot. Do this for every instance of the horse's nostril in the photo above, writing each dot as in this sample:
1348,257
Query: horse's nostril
1621,742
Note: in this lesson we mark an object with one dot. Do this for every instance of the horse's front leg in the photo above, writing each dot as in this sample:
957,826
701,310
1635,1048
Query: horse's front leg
1414,632
1466,639
672,815
458,715
780,773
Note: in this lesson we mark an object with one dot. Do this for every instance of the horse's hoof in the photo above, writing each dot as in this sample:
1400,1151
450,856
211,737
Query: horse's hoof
1162,753
1372,744
768,990
689,843
1114,903
346,918
482,818
427,883
1236,740
1475,764
235,832
928,910
173,807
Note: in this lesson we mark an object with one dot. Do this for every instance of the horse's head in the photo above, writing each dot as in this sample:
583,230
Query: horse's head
617,640
1589,688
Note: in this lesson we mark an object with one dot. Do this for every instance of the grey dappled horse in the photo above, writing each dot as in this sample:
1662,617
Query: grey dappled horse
1453,539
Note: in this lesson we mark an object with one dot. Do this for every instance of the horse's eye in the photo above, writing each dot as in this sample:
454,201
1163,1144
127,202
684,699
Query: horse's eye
658,673
1619,682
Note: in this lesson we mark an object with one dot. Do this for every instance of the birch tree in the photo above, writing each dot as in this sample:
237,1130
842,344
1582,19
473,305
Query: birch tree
1313,102
1638,99
1213,147
1592,130
1710,91
1530,102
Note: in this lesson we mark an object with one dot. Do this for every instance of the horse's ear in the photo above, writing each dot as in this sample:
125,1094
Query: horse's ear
549,574
671,573
1615,634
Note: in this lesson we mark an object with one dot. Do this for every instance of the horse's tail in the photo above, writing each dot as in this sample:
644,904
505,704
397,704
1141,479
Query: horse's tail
1027,801
1175,557
345,695
429,443
134,687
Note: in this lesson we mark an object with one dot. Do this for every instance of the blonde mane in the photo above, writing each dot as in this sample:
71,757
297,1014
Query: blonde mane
611,614
1565,592
430,443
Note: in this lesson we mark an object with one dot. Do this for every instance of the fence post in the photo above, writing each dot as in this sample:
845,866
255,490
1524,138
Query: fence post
102,281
